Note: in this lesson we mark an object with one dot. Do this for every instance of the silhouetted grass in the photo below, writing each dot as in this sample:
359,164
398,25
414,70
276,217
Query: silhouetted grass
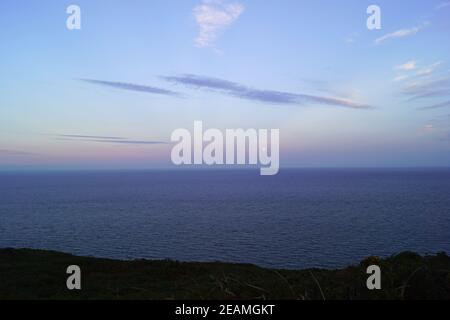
35,274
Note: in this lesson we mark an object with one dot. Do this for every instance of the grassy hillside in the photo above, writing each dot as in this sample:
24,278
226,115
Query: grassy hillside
34,274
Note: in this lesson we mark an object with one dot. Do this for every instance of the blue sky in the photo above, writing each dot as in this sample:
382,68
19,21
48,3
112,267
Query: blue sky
109,95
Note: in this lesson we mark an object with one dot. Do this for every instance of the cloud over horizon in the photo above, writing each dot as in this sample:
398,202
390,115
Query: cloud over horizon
14,153
105,139
267,96
88,137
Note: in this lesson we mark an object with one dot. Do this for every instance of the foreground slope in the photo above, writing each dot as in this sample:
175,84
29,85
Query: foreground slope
35,274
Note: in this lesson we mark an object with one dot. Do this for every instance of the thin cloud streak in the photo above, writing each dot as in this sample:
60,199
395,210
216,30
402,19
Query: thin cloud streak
436,87
101,139
429,89
133,87
89,137
129,142
429,70
407,66
399,34
266,96
8,152
437,106
430,94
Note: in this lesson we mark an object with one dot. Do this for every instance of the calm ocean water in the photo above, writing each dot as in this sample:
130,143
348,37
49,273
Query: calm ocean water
299,218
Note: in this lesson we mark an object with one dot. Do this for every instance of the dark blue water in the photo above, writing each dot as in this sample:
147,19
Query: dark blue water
299,218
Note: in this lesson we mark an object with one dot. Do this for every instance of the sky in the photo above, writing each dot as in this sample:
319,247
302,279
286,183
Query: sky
108,96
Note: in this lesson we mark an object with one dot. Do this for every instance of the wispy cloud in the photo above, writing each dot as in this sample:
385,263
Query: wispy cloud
212,17
407,66
132,87
267,96
405,71
426,82
427,89
128,141
438,105
427,129
88,137
438,127
399,34
15,153
428,70
442,121
401,77
443,5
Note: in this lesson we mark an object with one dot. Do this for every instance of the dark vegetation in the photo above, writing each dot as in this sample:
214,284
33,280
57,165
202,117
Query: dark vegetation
34,274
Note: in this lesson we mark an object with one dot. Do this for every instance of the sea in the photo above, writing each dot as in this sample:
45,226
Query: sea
300,218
